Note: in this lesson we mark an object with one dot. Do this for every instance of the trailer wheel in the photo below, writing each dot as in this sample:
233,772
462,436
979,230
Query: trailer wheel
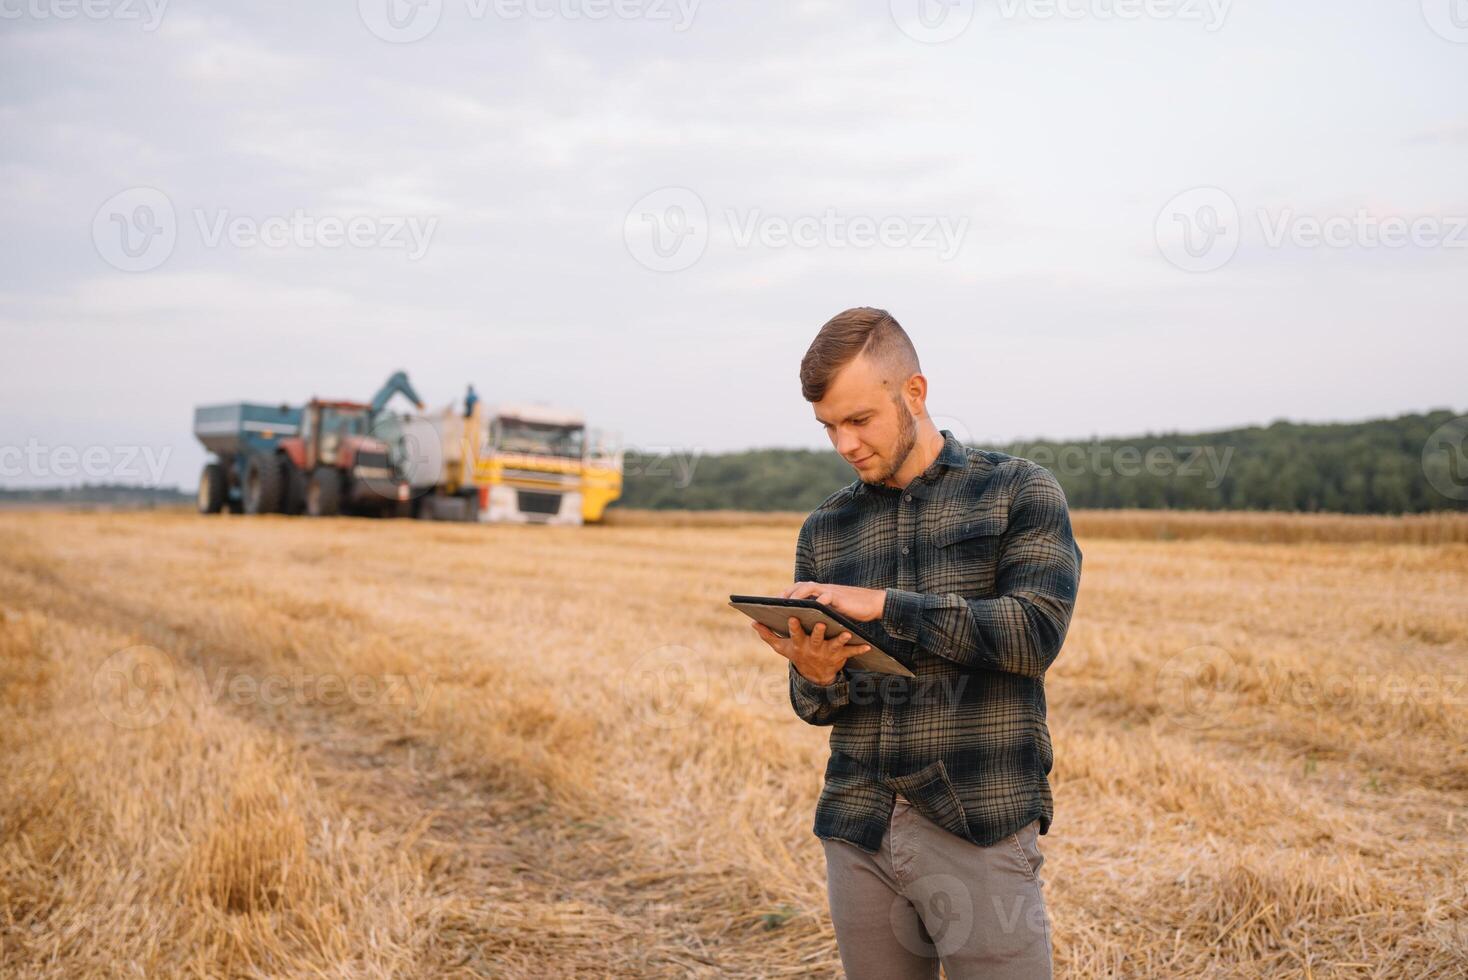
264,485
213,489
324,492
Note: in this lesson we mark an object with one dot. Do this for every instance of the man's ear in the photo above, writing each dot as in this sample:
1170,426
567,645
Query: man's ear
915,394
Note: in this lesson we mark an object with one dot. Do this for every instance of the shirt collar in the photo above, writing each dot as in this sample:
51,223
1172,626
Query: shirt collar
951,455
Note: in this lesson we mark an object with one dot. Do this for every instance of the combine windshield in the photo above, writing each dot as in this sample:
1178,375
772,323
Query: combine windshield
537,438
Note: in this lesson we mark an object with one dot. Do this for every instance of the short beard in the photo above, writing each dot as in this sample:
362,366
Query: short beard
906,440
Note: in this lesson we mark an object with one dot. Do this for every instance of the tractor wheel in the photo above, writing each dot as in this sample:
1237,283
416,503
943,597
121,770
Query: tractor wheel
295,488
264,485
324,492
213,489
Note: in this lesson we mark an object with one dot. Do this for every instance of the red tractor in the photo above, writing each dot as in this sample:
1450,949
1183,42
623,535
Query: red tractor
333,464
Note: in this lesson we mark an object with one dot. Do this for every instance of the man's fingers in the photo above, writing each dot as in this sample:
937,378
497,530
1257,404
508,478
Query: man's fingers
804,590
773,640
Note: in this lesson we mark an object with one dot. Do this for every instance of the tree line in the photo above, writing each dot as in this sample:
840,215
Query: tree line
1409,464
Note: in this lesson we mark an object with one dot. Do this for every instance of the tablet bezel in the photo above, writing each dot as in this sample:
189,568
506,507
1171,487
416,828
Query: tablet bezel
809,612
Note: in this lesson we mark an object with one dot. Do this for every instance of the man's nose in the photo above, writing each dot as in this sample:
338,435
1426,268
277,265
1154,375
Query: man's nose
848,445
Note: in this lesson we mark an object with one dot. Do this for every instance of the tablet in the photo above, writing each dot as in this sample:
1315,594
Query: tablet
775,613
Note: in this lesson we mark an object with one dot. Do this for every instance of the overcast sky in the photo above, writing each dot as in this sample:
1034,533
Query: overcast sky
1093,216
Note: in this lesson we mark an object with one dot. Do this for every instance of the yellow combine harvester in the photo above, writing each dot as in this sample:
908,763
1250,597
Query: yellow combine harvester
522,463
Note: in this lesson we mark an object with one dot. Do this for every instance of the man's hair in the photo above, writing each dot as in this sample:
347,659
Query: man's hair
847,335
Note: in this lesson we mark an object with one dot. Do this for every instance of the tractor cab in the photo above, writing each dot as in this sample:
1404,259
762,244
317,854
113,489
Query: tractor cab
333,433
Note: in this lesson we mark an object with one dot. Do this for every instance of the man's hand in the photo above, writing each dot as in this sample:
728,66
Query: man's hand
862,605
818,659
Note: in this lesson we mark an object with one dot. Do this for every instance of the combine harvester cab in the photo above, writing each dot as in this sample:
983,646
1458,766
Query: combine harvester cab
524,464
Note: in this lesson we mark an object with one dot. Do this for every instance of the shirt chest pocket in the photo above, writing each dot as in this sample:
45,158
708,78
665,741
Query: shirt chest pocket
964,556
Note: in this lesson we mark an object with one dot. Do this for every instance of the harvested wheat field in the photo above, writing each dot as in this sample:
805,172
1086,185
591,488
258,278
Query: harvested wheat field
280,747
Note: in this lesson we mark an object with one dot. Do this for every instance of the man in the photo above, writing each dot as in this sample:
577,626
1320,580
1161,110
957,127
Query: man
963,564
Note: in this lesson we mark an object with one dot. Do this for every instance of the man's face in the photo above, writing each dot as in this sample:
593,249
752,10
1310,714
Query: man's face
869,424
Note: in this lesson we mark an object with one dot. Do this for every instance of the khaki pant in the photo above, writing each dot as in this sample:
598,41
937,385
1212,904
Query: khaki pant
928,895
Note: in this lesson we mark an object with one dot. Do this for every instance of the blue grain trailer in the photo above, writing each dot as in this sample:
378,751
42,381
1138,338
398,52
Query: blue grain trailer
236,434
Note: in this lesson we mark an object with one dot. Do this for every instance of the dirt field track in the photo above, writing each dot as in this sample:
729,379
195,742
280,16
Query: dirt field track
280,747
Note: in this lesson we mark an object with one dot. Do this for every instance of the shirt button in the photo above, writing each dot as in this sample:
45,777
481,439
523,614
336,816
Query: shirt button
907,496
904,550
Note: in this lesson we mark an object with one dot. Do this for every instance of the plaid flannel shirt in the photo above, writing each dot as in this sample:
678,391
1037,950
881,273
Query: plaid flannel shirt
981,570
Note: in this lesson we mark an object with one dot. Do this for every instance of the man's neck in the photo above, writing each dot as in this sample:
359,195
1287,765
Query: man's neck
929,445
